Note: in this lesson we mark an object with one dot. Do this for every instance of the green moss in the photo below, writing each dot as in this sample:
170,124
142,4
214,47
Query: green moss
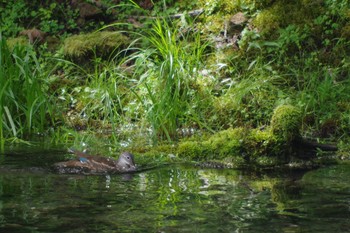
345,31
283,13
267,20
236,147
161,154
253,4
226,143
286,122
262,143
219,6
102,43
255,146
231,6
224,110
220,145
214,24
191,149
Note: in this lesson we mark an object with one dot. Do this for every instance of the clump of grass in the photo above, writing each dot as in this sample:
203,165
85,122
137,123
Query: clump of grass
23,101
166,70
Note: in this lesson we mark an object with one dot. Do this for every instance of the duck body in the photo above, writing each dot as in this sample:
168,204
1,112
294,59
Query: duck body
91,164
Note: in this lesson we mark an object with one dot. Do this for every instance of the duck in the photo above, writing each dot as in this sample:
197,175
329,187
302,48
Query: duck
93,164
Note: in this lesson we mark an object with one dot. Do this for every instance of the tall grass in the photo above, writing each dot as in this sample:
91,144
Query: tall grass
167,68
96,96
23,101
320,95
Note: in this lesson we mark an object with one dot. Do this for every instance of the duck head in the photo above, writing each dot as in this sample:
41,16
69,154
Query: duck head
126,162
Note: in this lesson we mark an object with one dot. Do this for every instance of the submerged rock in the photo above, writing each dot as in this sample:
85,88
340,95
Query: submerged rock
90,164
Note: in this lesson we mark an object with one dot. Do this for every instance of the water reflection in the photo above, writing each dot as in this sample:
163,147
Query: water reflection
174,199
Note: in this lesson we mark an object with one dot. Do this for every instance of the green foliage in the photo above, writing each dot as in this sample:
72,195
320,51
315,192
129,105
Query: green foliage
167,68
303,47
50,16
290,52
291,39
12,14
286,122
254,5
48,22
97,98
24,104
324,20
222,6
227,7
247,101
338,7
264,161
321,92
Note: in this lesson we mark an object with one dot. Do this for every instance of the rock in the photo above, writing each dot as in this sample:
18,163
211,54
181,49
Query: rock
238,19
34,35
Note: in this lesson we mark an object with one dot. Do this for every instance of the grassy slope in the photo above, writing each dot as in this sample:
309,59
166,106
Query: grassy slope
174,76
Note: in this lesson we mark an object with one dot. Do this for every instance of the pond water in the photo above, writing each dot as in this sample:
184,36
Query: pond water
170,199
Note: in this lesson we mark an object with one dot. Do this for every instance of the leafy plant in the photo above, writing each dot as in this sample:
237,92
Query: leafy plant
24,103
12,14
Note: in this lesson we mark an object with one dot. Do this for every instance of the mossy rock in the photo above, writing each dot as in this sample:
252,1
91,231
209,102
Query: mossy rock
262,142
286,123
219,146
235,147
226,143
191,149
101,43
280,14
238,147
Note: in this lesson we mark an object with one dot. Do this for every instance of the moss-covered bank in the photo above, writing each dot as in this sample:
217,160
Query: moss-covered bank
266,147
220,73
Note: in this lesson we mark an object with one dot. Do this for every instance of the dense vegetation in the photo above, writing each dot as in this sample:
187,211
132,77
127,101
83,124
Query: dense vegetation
145,76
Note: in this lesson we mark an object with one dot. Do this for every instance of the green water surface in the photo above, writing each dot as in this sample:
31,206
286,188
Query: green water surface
170,199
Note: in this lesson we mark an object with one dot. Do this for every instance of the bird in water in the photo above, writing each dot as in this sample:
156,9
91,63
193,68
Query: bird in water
92,164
